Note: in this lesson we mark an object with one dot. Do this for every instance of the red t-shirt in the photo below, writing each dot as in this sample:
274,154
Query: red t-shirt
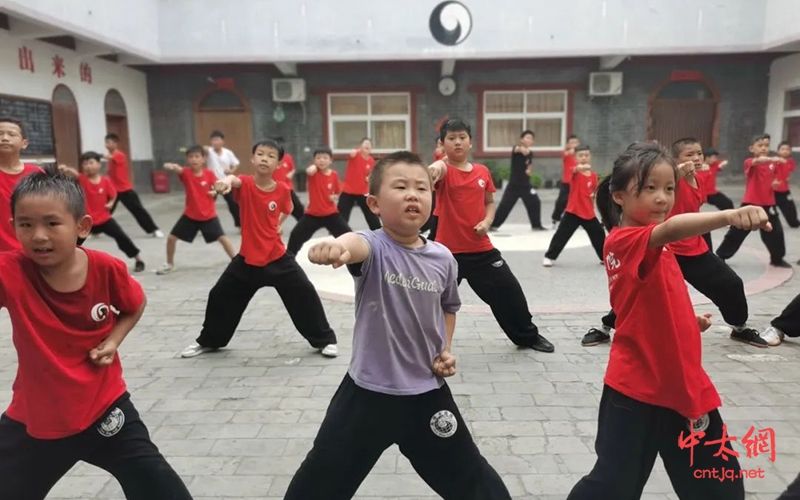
118,172
758,187
97,196
581,190
260,211
656,356
199,205
688,200
784,172
320,189
355,174
285,167
437,155
460,200
8,240
568,166
58,391
709,177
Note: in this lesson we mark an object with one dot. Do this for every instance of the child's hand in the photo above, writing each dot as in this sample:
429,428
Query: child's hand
227,171
704,167
445,364
481,228
686,169
280,230
329,253
106,156
723,164
435,170
109,206
103,354
749,218
704,322
778,159
63,168
223,186
212,194
776,183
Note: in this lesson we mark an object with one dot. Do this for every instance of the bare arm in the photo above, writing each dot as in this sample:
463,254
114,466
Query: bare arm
519,148
311,170
348,248
173,167
437,170
68,171
684,226
488,200
103,354
449,329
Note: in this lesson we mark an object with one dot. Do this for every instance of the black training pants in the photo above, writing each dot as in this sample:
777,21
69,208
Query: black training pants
561,201
773,240
788,208
345,205
113,229
512,193
569,224
309,224
789,320
131,201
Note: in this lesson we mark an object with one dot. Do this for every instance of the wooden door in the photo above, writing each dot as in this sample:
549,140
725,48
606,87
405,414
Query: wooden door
228,111
66,127
681,109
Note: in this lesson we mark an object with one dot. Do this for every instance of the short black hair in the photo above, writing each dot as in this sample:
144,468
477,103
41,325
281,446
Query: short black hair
376,175
526,132
365,139
217,133
51,183
112,137
582,147
677,146
196,148
8,119
785,143
572,136
91,155
454,125
269,143
759,137
323,151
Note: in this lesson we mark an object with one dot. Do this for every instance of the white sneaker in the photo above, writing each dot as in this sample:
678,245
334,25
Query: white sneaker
773,336
158,234
330,351
196,350
165,269
547,262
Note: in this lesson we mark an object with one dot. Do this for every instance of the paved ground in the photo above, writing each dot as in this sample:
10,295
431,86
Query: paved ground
237,424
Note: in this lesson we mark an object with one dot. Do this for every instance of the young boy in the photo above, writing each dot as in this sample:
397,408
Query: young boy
12,141
223,162
709,178
354,190
519,185
579,211
121,179
323,192
285,173
262,261
568,164
200,212
394,391
432,224
783,197
465,194
70,310
762,173
100,195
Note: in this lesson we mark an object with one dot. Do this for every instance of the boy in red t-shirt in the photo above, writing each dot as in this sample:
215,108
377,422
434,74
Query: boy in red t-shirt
568,164
200,212
13,141
579,211
432,224
355,189
709,178
763,174
285,173
70,310
465,194
262,261
100,195
121,179
323,192
783,197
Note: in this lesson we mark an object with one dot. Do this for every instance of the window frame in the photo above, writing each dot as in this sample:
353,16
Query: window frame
565,117
789,113
369,118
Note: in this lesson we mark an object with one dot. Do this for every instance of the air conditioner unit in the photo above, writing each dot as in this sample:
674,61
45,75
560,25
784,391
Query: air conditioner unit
605,84
288,90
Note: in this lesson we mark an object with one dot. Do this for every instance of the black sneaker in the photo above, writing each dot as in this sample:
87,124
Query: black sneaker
541,344
595,337
139,267
781,263
749,336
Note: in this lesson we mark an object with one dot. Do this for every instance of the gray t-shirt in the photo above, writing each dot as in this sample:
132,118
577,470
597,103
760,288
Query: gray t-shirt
401,297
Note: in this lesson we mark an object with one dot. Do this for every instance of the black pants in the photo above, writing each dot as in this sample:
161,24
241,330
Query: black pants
789,320
792,491
773,240
712,277
233,291
31,467
512,193
309,224
488,274
433,221
233,207
345,205
631,434
788,208
571,222
720,201
297,206
131,201
111,228
429,430
561,201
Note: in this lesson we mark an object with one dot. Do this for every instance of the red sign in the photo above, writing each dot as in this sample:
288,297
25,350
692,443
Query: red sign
764,442
224,83
26,59
685,76
58,66
86,73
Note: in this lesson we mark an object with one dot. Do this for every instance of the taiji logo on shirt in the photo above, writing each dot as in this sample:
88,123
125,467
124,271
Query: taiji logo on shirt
699,425
100,311
112,424
444,424
203,183
482,183
273,206
450,23
330,185
100,190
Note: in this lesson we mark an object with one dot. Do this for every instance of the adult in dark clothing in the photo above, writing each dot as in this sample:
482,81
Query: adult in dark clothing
519,185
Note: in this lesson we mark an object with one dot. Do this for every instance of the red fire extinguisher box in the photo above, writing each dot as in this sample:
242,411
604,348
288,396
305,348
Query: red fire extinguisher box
161,182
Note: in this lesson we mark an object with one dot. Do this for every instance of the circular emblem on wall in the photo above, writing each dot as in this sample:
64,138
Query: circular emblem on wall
444,424
450,23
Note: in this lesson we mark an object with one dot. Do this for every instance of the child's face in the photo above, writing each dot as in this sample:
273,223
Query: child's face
196,161
404,199
11,141
573,143
760,148
366,147
785,151
653,203
111,145
691,153
457,145
217,142
265,160
712,159
322,161
90,167
527,140
583,157
47,230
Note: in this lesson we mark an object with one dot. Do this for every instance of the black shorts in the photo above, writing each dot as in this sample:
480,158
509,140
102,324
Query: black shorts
186,229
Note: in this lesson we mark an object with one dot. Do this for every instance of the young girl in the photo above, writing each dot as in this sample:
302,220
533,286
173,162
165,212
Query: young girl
656,393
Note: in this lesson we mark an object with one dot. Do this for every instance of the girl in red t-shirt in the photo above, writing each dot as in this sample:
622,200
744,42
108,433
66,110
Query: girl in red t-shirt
657,399
579,211
783,197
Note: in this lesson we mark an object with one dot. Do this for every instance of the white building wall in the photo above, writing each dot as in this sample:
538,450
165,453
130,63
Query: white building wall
781,22
784,75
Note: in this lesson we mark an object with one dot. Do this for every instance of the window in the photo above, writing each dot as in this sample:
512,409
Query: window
791,118
506,114
383,117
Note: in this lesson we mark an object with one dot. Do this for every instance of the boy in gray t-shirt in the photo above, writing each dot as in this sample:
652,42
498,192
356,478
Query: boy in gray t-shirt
394,391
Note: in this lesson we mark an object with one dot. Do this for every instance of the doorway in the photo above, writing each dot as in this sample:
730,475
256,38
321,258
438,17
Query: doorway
66,127
117,123
228,111
681,109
